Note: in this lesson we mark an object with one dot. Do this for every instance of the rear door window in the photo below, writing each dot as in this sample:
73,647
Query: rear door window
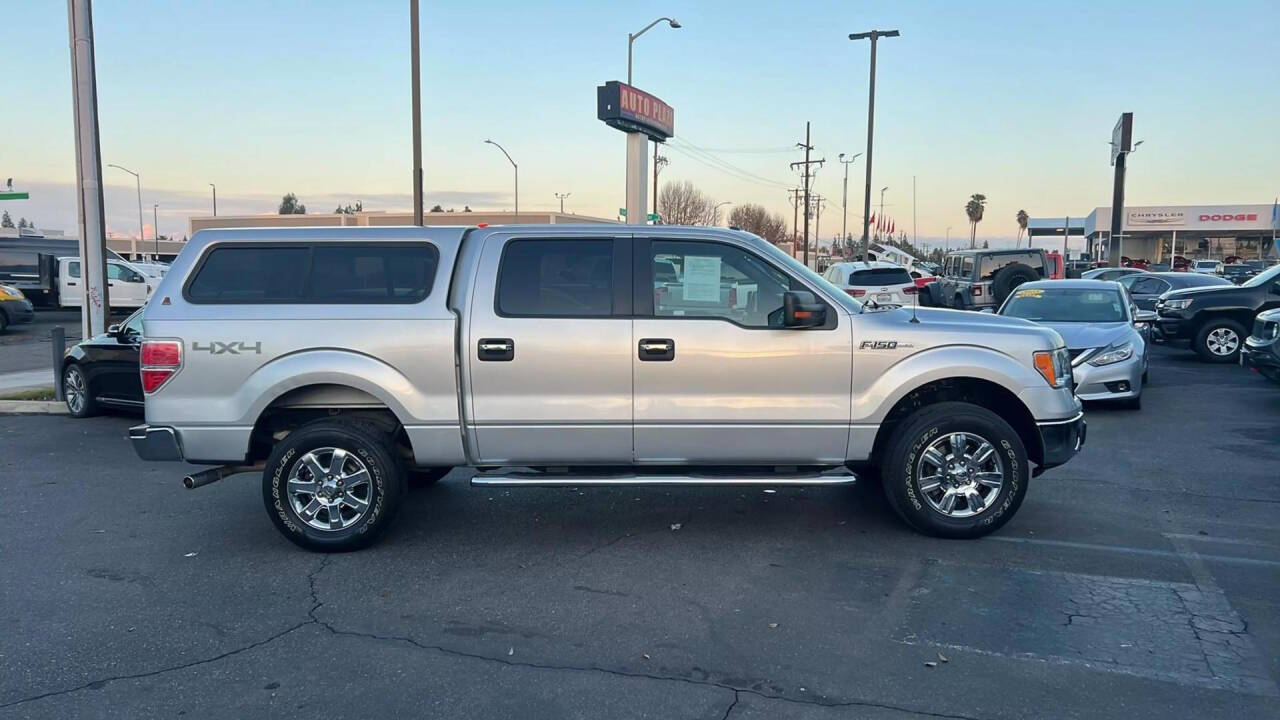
558,278
328,273
364,273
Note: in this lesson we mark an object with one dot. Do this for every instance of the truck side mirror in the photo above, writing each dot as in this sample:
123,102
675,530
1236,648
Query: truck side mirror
800,309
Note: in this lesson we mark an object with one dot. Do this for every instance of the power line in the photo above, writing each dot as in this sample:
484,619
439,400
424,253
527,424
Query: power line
688,146
716,164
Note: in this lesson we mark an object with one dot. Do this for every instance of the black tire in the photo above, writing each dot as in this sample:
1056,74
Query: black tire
4,321
381,493
904,455
422,477
77,393
1216,331
1009,277
1145,374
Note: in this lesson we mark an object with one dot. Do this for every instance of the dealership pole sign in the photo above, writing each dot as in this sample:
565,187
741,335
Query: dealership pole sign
642,117
630,109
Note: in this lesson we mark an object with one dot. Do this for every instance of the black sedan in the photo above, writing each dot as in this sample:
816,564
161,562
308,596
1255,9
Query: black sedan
1146,288
102,371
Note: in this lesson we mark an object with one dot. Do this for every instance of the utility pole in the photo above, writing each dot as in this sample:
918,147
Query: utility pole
155,227
873,36
844,203
913,209
659,162
215,199
561,198
808,147
95,307
818,201
881,217
417,113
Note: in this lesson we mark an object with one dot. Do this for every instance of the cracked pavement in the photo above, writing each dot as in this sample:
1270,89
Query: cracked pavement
124,595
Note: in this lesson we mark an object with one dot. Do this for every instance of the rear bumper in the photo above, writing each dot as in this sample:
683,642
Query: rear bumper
155,443
1062,439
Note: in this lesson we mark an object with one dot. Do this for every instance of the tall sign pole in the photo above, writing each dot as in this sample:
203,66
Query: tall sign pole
1121,144
642,117
873,36
417,113
95,308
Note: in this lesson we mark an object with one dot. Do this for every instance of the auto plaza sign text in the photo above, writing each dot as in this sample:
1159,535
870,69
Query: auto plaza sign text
632,110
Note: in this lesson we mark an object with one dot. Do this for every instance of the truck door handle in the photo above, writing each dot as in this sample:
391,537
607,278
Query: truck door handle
71,284
658,349
496,349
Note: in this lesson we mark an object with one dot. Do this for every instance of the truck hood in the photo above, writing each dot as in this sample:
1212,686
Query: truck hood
950,326
1193,291
1082,336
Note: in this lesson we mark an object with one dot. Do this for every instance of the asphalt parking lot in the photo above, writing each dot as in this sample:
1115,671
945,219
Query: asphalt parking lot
26,355
1137,581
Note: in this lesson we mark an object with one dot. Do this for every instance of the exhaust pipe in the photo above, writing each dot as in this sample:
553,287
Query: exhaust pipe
213,475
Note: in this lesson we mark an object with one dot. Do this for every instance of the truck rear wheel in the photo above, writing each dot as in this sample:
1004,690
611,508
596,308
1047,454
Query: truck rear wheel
955,470
333,485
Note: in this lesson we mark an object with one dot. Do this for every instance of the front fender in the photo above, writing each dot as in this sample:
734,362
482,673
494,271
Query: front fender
872,404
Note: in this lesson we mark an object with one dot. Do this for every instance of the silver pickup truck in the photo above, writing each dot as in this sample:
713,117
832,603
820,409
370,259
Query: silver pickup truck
346,363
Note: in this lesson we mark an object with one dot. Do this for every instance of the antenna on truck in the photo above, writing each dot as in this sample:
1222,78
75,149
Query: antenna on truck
914,303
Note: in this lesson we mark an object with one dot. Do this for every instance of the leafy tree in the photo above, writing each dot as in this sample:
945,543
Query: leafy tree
289,205
350,209
5,220
466,208
985,245
684,204
756,219
436,208
22,223
1023,219
973,209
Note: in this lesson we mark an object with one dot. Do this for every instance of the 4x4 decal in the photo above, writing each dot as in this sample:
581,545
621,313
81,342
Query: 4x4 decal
228,348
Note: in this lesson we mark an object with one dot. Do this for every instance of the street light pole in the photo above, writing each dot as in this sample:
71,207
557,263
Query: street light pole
516,168
416,99
715,211
631,38
561,198
873,36
636,143
215,199
947,247
881,218
142,236
844,204
155,227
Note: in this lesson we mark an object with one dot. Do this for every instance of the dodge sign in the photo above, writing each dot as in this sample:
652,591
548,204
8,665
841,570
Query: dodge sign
630,110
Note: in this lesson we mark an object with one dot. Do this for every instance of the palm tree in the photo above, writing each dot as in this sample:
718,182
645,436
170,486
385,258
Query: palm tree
1023,219
974,209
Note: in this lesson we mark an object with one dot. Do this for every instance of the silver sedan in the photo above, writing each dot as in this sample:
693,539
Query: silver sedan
1104,331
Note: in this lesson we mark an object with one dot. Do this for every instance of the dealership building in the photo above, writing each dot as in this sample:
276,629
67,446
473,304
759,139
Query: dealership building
1156,232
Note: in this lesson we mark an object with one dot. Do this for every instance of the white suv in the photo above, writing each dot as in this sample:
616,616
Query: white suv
882,282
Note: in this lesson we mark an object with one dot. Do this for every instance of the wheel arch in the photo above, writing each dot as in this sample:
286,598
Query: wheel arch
974,390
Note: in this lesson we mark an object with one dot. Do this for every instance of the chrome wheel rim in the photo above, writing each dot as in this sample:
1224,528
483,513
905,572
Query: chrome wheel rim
73,389
960,474
330,489
1223,341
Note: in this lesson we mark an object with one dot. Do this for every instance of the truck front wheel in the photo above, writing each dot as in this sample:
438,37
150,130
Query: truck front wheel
333,485
955,470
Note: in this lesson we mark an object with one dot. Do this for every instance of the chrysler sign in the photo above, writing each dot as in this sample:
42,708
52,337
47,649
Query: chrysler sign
630,110
1157,218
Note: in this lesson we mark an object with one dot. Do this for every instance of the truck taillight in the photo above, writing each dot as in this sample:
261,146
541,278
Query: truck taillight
910,290
160,360
856,292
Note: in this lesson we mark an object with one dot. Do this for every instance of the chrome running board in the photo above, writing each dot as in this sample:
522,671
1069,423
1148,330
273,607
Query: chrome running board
526,478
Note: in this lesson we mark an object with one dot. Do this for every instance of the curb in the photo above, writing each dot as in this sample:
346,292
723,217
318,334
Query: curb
32,407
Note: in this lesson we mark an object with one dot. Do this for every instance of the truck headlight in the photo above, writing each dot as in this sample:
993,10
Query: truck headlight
11,293
1113,354
1177,304
1054,366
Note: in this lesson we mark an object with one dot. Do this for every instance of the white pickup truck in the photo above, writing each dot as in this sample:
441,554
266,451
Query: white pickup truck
340,363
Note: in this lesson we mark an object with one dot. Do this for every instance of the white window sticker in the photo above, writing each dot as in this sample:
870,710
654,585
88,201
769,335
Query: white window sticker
702,278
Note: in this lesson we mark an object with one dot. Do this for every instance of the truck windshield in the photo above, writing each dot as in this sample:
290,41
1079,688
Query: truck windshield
1065,305
1263,278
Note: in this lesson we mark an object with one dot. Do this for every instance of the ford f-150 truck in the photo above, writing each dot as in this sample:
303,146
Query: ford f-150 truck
343,363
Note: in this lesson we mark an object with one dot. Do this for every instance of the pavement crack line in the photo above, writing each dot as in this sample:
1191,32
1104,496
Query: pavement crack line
636,675
101,682
729,710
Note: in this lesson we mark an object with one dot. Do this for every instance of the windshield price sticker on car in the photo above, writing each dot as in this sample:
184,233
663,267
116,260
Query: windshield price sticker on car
1031,293
702,278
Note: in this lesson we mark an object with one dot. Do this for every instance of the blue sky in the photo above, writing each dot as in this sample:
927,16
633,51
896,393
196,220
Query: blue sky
1014,100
